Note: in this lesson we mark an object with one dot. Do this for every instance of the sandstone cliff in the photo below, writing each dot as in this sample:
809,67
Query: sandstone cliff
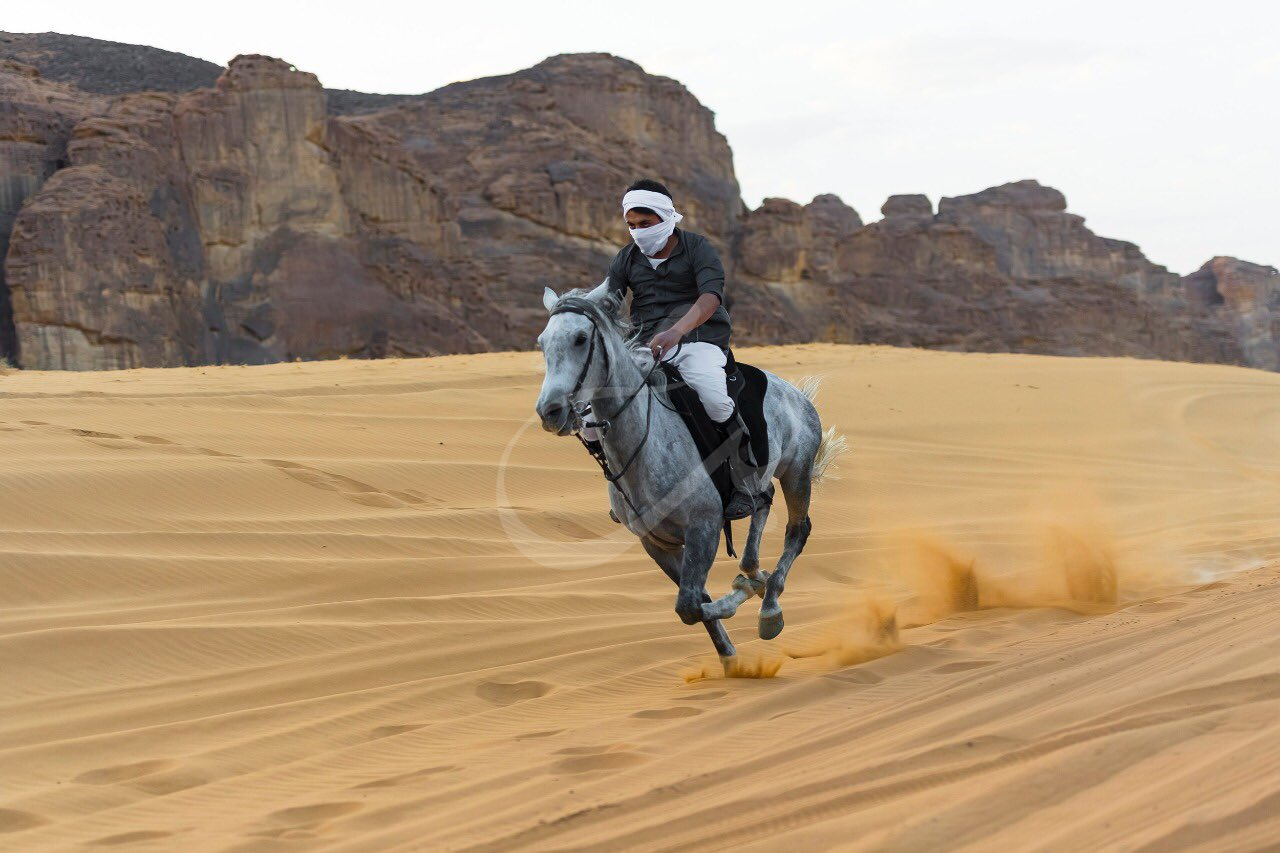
36,119
1006,269
112,68
245,222
1244,297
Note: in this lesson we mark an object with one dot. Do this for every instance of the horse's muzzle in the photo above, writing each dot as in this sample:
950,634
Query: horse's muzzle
556,417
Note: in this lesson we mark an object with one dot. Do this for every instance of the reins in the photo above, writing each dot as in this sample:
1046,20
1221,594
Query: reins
581,408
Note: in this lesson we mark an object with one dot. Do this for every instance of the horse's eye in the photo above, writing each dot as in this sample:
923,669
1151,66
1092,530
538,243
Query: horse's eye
580,339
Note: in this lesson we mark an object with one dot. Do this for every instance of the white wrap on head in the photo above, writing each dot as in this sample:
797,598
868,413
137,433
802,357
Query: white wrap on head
651,240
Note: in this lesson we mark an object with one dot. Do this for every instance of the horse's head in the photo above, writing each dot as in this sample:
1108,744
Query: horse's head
568,342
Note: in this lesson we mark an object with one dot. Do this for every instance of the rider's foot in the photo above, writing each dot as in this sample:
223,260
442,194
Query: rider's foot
742,505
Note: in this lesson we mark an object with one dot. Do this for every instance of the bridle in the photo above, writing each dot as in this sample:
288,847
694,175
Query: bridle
582,408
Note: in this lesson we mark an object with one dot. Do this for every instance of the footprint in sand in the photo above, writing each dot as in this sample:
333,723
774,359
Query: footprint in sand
508,693
596,750
12,820
668,713
391,731
170,782
352,490
131,837
123,772
88,433
856,676
962,666
406,778
348,488
600,761
304,821
705,696
532,735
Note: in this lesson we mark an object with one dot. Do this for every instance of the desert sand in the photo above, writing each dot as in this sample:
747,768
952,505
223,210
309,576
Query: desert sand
308,606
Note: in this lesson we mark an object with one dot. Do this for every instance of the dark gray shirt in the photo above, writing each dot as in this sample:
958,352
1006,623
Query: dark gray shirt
660,297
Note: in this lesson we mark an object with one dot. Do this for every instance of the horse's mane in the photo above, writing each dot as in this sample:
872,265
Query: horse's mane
608,318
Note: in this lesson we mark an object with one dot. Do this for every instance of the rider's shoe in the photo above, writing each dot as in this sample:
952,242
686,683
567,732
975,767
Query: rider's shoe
748,497
741,505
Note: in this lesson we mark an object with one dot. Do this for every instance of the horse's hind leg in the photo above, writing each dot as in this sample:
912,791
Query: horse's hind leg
796,488
727,605
669,560
750,562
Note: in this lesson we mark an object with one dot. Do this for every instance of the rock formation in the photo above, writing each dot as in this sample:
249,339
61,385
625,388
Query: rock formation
1246,298
1006,269
245,222
36,119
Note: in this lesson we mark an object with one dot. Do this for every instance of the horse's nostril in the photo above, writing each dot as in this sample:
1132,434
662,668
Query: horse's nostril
553,412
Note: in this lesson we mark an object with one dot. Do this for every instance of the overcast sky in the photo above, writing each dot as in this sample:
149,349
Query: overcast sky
1159,121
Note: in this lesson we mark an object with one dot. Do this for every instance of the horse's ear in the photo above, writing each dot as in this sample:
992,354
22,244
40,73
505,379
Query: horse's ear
600,292
549,299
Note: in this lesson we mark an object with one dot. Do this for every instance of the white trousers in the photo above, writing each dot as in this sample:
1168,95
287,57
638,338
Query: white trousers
702,366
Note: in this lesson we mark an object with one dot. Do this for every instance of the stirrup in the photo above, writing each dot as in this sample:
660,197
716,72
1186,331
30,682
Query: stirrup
742,505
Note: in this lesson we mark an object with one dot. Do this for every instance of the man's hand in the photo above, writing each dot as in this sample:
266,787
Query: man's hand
664,343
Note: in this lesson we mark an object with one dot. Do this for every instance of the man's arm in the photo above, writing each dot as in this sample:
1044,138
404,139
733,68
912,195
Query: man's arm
699,312
618,281
709,273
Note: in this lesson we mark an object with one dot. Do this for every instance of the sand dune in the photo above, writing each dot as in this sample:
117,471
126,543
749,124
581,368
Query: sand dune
279,608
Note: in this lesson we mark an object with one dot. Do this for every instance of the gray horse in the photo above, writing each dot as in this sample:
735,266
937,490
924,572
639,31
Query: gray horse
662,492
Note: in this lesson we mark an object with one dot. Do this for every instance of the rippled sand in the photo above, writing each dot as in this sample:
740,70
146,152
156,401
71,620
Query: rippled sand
282,608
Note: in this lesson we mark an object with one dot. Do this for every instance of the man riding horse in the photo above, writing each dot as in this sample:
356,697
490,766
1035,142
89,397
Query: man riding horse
602,384
677,301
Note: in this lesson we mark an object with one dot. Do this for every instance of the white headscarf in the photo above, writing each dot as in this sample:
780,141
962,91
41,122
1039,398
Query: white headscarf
651,240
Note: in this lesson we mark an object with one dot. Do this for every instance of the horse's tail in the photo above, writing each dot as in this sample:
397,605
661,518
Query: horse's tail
830,448
833,444
809,386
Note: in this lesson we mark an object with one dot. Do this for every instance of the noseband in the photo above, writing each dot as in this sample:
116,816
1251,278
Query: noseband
583,408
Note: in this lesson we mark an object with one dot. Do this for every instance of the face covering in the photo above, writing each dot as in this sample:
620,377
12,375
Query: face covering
653,239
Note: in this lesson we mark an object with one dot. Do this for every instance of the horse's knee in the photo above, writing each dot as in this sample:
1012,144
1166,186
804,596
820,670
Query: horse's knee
689,606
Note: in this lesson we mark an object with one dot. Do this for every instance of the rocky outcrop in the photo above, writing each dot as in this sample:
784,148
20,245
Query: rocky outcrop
244,222
1006,269
1246,298
36,119
112,68
211,227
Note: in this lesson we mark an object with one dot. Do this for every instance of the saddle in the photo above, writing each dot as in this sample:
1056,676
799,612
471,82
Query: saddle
746,385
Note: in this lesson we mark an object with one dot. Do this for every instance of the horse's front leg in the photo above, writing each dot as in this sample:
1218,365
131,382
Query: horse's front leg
670,559
700,542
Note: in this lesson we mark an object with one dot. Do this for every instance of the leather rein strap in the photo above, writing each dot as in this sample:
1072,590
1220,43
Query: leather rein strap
597,452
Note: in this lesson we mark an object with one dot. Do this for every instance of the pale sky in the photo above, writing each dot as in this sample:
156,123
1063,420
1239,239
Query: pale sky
1159,121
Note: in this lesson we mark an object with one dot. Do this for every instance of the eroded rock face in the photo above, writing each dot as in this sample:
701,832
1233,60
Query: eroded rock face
270,230
36,118
1006,269
1246,297
246,223
1035,238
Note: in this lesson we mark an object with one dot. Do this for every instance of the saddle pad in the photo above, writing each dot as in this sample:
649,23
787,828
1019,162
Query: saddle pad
746,386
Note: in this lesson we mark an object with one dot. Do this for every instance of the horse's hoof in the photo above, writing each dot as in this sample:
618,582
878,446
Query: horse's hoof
770,625
728,662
